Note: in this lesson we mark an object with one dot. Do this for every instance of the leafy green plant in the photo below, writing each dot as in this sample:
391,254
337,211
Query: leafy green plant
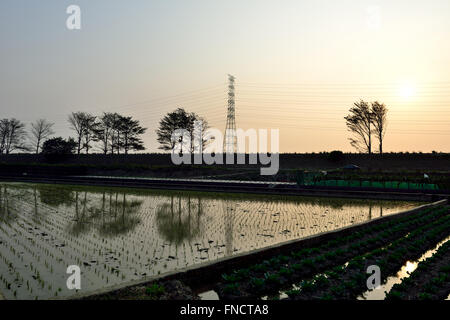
258,282
155,290
231,288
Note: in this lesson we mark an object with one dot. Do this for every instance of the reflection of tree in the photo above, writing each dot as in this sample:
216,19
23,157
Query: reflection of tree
178,222
6,202
121,219
82,223
55,197
116,218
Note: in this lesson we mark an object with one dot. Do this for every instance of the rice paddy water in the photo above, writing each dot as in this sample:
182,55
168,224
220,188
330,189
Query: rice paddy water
120,235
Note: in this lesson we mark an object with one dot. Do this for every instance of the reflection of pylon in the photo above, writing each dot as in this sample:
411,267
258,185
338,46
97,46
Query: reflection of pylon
230,141
228,221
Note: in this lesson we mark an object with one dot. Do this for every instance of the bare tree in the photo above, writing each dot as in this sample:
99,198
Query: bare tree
198,126
84,125
105,130
115,133
90,129
4,128
12,136
40,131
379,118
359,122
76,121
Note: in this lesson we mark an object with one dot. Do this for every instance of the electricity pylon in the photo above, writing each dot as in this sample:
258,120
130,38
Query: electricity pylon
230,140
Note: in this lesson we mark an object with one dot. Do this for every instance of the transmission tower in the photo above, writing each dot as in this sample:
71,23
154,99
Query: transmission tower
230,141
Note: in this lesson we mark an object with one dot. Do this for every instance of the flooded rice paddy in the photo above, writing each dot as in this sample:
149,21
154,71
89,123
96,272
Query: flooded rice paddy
120,235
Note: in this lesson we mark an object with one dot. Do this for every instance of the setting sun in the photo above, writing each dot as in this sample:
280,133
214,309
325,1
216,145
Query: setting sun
407,91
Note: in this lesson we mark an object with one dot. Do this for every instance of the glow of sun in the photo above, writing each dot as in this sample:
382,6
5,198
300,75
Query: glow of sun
407,91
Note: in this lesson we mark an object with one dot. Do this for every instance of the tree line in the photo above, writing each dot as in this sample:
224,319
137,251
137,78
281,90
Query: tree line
112,133
109,133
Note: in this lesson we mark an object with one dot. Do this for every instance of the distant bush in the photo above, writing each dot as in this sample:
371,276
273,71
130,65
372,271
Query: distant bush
59,146
58,149
336,156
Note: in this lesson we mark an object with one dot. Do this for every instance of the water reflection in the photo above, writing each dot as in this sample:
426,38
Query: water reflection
48,196
111,215
180,219
4,205
229,209
119,235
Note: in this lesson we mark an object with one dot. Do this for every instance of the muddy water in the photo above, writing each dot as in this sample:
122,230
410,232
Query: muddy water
119,235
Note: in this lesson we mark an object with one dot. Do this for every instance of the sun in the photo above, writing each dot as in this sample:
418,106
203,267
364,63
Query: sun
407,91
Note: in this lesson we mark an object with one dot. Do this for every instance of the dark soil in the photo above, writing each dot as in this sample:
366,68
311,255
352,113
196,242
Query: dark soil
170,290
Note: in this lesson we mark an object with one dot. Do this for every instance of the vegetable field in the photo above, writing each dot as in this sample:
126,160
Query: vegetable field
412,251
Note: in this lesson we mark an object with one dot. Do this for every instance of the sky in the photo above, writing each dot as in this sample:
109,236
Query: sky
299,65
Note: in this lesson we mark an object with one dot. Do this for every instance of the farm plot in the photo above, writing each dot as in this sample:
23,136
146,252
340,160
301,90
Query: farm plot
118,235
429,281
338,268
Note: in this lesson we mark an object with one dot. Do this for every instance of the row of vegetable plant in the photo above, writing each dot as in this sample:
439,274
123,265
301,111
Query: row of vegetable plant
430,281
279,272
348,281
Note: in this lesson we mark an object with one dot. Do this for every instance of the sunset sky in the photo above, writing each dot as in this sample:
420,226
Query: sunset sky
299,65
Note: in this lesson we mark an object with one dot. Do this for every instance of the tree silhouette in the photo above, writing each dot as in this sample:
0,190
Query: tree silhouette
359,122
105,129
90,126
180,119
59,146
41,130
77,123
130,130
379,117
12,136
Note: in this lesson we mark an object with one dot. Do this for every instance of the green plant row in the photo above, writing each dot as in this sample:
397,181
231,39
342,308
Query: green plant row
442,181
324,262
347,282
430,281
285,269
280,260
